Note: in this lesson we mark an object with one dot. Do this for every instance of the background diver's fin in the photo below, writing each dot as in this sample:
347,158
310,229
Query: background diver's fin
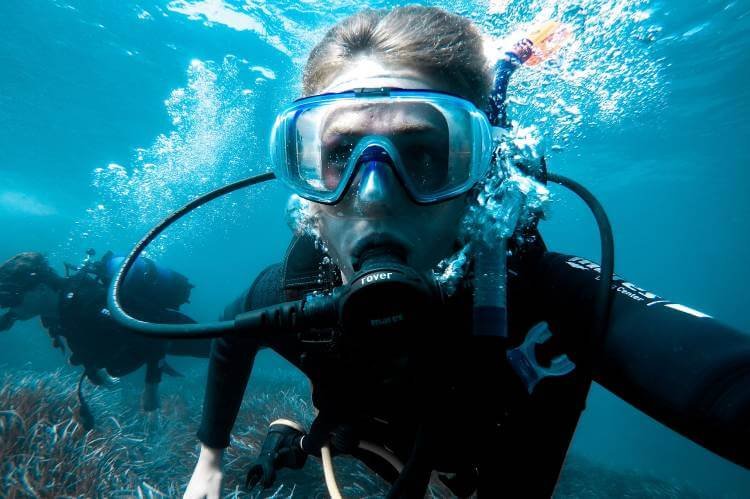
84,411
169,370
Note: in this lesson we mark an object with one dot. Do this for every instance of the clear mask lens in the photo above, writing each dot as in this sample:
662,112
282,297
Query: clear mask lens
439,145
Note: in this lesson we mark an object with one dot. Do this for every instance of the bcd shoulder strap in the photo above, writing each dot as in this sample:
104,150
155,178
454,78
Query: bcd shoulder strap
305,269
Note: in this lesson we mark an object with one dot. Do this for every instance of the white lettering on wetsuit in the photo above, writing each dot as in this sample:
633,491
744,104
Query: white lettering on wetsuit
631,290
619,284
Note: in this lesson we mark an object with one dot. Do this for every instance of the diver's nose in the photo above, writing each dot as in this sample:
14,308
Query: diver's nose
378,190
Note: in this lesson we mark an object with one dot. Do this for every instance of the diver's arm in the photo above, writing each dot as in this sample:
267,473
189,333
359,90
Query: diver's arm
678,365
544,40
504,69
229,369
231,361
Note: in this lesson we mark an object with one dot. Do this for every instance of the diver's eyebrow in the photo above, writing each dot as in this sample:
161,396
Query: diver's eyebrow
415,127
350,120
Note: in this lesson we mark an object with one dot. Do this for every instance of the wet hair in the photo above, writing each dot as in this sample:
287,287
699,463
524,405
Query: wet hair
24,271
445,46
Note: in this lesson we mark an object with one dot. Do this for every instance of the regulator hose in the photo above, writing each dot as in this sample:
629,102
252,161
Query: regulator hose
329,472
607,270
174,331
279,315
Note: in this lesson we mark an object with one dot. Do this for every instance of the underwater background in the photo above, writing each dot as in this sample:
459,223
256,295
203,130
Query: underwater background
114,113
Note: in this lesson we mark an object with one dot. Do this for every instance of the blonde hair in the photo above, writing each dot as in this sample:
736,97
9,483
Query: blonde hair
440,44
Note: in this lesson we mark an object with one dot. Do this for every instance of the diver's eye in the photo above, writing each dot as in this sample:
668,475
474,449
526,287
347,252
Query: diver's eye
421,158
335,156
339,153
338,150
425,165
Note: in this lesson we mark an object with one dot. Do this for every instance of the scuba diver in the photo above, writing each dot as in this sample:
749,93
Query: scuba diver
73,311
390,147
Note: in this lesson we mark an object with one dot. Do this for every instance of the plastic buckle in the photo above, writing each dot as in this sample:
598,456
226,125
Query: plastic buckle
524,362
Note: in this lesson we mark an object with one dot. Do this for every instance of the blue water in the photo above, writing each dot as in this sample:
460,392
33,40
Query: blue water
113,113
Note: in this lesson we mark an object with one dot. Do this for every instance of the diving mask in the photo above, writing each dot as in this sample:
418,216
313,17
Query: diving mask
439,145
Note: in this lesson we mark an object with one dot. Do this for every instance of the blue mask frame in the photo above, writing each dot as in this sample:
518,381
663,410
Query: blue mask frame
480,136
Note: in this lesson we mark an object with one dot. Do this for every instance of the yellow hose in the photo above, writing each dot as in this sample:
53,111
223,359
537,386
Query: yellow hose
380,451
330,475
333,488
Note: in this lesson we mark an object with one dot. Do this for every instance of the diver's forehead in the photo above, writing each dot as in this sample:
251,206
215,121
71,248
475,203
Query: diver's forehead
368,72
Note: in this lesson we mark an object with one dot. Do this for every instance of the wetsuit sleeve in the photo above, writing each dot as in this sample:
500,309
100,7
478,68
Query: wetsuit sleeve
676,364
498,109
230,364
229,368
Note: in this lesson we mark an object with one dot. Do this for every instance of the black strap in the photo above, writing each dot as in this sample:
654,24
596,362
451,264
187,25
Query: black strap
305,269
267,289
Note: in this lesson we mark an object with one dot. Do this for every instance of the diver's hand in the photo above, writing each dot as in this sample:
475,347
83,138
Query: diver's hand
207,475
7,320
262,472
281,449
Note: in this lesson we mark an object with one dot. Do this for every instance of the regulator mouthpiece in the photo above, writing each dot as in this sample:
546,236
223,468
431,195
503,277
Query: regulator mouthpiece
386,294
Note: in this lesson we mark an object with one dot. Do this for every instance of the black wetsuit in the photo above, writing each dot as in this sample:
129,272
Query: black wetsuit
688,371
96,341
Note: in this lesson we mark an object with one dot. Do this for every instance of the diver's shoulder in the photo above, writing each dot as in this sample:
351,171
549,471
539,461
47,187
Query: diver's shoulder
266,289
546,266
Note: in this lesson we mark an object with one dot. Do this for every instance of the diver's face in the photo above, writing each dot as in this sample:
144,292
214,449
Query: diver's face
376,210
